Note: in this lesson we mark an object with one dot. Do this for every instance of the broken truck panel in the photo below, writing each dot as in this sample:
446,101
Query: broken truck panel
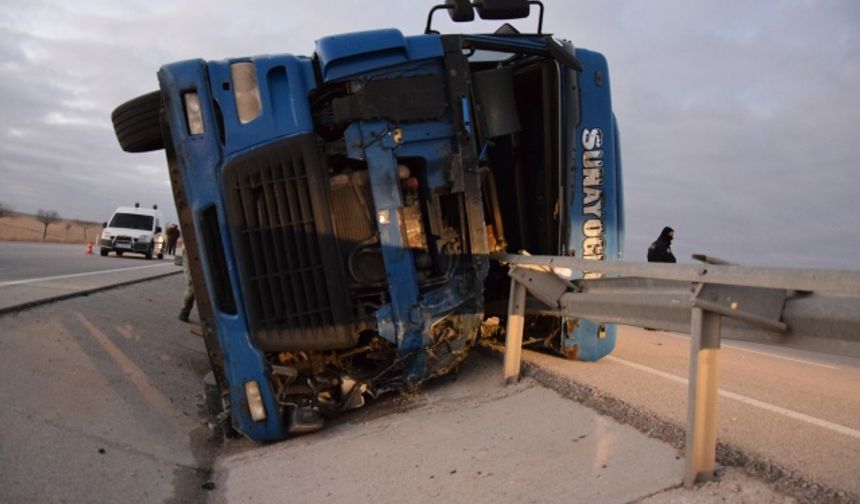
344,205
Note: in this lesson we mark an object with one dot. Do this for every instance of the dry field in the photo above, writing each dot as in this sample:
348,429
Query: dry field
24,227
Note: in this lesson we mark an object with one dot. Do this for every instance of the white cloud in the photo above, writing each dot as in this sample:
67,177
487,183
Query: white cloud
62,119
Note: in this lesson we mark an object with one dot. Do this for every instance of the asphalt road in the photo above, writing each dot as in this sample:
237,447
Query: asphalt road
796,410
24,260
34,272
99,400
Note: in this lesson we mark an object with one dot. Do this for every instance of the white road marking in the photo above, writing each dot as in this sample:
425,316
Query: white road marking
767,354
76,275
775,356
848,431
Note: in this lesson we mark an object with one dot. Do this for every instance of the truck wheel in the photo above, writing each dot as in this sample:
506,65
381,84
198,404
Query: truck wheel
148,253
137,124
103,252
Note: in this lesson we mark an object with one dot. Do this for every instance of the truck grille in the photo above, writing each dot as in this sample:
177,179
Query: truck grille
351,201
290,270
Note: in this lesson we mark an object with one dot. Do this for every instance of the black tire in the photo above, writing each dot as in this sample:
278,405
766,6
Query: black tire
137,123
104,252
118,253
148,254
160,256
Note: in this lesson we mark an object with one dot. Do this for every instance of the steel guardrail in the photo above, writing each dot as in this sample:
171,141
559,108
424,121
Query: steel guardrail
817,280
768,305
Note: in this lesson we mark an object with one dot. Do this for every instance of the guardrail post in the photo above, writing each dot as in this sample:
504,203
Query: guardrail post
514,331
701,446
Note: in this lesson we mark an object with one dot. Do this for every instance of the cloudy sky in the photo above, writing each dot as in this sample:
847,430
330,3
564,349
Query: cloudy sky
740,121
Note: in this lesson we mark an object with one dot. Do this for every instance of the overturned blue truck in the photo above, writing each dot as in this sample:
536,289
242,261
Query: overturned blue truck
339,210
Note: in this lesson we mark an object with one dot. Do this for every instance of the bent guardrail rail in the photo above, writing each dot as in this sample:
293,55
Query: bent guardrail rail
813,309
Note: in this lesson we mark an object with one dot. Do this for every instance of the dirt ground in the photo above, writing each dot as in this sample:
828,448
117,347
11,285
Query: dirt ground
25,227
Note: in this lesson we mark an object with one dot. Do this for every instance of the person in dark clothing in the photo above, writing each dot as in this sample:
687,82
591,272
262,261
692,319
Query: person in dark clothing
661,250
188,296
172,237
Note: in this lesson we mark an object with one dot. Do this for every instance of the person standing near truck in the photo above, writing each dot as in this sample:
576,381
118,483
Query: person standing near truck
188,296
172,237
661,249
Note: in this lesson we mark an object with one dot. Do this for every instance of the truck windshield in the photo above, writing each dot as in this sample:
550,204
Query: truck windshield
131,221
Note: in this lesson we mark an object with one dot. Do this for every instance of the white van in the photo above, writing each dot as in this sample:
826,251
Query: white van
133,229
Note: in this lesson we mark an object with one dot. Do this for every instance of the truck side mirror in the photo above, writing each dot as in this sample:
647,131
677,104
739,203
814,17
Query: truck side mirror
502,9
104,224
460,10
464,10
157,229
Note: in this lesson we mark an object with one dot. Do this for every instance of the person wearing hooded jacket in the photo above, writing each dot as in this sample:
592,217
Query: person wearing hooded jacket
661,250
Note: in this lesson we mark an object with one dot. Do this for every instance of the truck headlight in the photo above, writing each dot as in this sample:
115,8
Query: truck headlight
194,114
105,235
142,238
255,401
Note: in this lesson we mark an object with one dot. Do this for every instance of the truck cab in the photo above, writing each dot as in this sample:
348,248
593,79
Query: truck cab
133,230
340,209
